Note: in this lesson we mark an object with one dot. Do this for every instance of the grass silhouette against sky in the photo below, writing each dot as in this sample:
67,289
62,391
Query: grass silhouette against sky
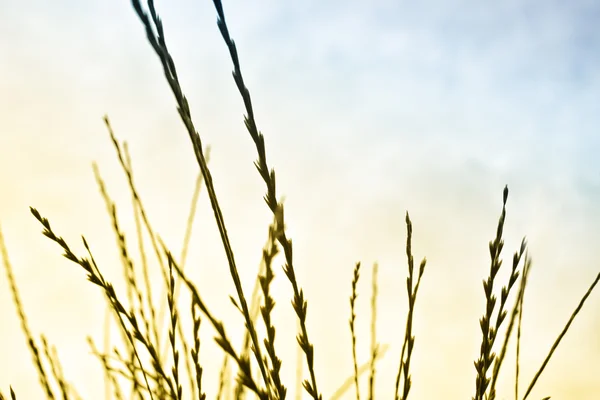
368,111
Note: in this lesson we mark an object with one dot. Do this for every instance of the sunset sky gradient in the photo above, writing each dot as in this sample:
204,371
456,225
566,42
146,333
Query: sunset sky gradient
369,109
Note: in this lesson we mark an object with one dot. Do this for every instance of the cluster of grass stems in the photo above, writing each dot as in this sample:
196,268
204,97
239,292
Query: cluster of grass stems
150,365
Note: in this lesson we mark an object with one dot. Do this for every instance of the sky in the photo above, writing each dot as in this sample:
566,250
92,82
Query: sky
369,110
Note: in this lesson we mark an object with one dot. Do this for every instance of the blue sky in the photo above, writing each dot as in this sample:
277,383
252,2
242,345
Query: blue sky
369,109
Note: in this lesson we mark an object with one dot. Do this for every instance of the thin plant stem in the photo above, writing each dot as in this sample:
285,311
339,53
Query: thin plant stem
349,382
299,303
374,344
352,325
522,286
500,358
159,45
96,277
37,359
409,340
561,335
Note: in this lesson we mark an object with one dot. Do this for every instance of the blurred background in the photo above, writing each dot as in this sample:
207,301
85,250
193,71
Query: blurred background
369,109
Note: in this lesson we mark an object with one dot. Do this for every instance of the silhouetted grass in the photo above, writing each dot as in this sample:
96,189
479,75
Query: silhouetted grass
147,364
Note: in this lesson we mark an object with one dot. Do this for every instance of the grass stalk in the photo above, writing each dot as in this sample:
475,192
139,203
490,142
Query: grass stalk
173,331
364,368
374,344
269,252
13,396
223,377
33,348
158,43
56,368
111,375
268,175
352,326
196,354
521,299
409,339
96,277
500,358
138,208
489,332
245,372
560,336
153,346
